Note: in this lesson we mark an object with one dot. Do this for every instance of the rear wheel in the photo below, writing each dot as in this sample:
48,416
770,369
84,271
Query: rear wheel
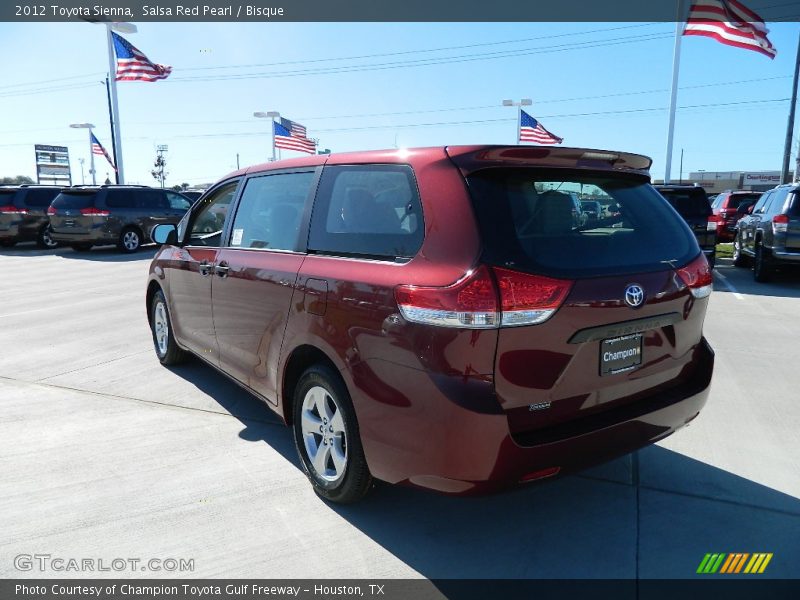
45,238
167,349
739,259
130,239
762,270
327,438
81,247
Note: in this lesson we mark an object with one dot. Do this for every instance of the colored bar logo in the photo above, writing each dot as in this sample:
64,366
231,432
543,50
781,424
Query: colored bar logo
737,562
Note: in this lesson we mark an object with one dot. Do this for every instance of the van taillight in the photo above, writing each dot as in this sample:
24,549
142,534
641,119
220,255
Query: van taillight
697,277
51,210
484,299
94,212
714,221
470,302
13,210
529,299
780,223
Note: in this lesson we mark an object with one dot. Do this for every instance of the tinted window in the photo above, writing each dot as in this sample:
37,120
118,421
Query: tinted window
120,199
776,202
208,220
151,200
40,197
691,202
737,200
178,202
68,200
7,197
270,211
759,207
367,210
526,221
794,208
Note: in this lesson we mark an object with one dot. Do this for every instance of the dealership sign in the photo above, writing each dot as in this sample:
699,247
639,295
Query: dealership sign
769,177
52,165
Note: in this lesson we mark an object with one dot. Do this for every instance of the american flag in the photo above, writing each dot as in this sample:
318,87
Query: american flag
292,137
132,65
729,22
97,148
531,130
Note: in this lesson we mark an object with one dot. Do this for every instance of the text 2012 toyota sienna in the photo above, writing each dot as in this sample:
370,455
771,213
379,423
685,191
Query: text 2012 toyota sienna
436,317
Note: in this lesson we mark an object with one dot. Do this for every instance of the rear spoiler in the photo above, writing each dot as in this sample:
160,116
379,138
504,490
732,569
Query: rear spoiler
473,158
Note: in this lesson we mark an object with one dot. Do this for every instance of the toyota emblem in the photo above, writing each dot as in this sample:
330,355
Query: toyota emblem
634,295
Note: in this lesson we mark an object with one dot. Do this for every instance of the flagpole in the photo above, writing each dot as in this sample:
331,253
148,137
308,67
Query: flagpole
519,124
91,157
272,132
676,61
111,123
787,148
115,135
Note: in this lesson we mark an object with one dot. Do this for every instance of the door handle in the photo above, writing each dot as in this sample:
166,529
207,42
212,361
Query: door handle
204,268
222,269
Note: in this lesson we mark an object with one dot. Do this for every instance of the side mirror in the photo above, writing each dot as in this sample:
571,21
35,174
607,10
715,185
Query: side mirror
165,233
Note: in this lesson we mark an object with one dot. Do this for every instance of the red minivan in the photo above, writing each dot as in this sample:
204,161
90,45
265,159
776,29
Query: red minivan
437,317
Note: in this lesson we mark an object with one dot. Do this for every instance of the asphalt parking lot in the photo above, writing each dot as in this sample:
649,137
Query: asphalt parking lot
107,454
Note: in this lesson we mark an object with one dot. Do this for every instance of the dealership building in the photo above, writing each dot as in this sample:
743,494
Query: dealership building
719,181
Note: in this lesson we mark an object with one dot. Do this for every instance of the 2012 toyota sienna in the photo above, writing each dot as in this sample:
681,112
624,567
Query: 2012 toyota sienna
436,316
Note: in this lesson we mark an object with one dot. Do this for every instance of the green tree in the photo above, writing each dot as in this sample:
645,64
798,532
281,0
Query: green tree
18,180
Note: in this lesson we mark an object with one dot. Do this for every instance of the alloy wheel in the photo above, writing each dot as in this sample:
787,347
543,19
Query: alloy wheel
130,240
161,329
324,434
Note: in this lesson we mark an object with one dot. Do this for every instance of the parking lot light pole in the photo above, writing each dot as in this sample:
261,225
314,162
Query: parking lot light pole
519,105
88,126
271,115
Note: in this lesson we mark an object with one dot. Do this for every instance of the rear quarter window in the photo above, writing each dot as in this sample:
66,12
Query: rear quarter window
527,223
372,211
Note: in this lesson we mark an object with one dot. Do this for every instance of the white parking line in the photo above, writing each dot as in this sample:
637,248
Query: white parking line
729,285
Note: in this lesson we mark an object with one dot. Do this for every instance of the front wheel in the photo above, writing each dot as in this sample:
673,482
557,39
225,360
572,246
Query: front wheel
167,349
327,438
129,240
739,259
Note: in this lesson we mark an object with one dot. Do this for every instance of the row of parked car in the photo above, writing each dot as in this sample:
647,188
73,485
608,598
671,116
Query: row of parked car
86,216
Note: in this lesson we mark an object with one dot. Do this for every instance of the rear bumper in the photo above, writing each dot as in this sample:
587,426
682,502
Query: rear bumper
92,237
786,255
462,445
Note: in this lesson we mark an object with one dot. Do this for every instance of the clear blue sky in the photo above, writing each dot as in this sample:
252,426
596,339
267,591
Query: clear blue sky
53,73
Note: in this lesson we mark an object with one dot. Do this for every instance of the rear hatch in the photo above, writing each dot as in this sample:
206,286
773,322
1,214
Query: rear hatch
73,211
692,204
793,223
593,317
10,214
730,215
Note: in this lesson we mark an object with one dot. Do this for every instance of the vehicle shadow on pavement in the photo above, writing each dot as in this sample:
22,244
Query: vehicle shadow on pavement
783,283
654,514
107,254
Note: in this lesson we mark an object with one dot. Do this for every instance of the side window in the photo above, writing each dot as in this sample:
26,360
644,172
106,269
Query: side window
270,211
759,207
178,202
150,199
40,198
367,210
207,222
777,201
120,198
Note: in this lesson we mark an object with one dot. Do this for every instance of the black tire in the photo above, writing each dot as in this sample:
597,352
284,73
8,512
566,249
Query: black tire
81,247
7,243
762,270
45,240
130,240
352,482
739,259
712,260
167,349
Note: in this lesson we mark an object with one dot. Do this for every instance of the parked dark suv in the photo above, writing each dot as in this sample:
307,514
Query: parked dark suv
86,216
436,317
726,206
23,214
770,235
691,202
